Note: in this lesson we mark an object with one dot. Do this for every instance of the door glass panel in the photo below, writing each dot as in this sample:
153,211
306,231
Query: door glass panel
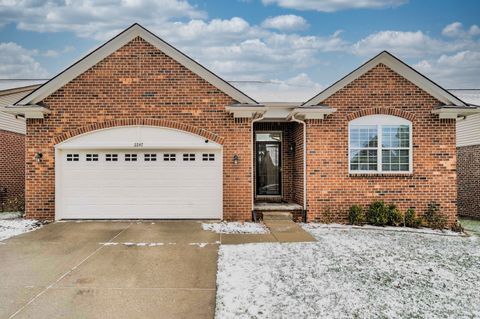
268,168
268,137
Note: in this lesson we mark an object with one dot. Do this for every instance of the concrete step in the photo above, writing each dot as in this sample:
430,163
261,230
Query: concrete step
277,216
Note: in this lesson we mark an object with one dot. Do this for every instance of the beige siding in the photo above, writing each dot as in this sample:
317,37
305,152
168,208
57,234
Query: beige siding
9,122
468,131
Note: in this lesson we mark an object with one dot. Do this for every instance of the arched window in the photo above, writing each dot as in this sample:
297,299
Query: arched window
380,144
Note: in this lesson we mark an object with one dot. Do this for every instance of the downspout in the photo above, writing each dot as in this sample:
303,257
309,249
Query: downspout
252,173
293,118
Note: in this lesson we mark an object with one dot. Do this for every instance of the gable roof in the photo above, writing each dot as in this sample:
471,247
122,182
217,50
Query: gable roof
397,66
116,43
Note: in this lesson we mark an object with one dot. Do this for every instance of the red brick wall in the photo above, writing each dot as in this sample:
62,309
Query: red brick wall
12,165
331,190
138,82
298,163
468,170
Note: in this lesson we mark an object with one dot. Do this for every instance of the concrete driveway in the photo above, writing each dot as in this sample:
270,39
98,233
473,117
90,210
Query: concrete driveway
157,269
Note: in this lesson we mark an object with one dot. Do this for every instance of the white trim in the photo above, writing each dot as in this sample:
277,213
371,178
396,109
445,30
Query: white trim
247,111
29,112
397,66
311,113
378,121
453,112
116,43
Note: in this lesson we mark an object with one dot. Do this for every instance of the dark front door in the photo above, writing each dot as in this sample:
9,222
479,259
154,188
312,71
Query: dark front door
269,171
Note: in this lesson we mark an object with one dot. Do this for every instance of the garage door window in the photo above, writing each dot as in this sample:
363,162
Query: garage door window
92,157
111,157
189,157
150,157
73,157
208,157
169,157
130,157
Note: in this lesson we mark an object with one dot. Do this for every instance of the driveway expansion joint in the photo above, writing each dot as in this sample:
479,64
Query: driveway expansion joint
66,274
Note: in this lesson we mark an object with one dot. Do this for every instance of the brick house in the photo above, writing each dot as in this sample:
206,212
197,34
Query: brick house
12,145
136,129
468,154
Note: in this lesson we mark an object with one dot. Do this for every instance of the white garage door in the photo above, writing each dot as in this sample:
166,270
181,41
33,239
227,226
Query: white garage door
167,174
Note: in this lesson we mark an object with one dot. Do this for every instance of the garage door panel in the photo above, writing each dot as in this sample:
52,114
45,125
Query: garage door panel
140,189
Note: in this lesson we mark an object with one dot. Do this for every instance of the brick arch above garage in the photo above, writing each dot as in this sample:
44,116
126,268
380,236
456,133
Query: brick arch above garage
381,111
147,122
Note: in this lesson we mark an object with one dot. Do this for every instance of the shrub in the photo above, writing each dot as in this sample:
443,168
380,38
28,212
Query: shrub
395,216
377,213
356,216
457,227
15,204
411,219
433,218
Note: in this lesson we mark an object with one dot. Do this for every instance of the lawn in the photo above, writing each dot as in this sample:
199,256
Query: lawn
352,273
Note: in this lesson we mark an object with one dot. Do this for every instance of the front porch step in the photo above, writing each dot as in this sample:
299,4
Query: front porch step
277,216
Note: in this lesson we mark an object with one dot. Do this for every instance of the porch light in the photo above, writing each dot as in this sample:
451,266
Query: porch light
235,159
38,157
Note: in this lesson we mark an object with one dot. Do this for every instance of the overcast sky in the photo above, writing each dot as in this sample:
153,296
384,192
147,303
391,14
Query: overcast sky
296,46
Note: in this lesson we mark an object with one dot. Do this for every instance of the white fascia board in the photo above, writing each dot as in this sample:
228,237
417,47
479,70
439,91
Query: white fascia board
247,111
29,112
454,112
311,113
397,66
116,43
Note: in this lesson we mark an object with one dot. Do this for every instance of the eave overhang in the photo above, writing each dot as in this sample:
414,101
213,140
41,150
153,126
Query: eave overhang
312,113
453,112
246,110
29,112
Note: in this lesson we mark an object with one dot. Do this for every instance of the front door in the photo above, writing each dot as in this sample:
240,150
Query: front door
269,164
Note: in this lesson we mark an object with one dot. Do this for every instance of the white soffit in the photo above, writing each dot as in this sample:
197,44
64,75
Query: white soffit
116,43
397,66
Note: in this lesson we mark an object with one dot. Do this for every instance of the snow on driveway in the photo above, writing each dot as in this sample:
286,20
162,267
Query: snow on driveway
236,228
13,227
352,273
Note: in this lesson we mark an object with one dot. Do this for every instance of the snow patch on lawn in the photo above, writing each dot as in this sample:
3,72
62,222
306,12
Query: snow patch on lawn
351,273
313,226
14,227
10,215
236,228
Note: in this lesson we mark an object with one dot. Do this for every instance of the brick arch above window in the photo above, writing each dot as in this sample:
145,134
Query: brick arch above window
147,122
381,111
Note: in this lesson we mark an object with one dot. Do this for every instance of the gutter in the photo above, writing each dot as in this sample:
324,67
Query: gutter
294,119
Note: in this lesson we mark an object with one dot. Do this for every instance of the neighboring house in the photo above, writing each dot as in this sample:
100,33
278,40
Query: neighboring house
468,157
12,142
137,129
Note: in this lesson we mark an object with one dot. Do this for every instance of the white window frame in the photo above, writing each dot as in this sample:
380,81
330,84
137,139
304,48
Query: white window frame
379,121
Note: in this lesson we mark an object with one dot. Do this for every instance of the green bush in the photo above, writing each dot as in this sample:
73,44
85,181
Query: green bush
395,216
411,219
377,213
457,227
356,216
15,204
433,218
